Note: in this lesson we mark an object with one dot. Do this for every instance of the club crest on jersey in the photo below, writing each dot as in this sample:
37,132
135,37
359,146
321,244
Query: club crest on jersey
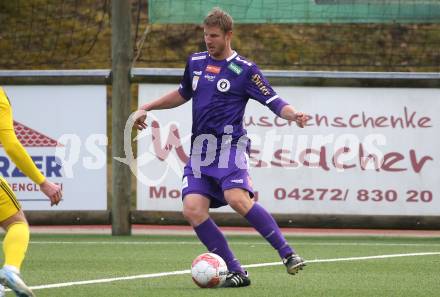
195,82
223,85
213,69
197,72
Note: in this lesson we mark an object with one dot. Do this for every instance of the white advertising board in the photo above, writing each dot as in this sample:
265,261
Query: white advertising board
366,151
63,128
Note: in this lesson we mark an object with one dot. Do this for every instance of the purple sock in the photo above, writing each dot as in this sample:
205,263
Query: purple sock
214,240
264,223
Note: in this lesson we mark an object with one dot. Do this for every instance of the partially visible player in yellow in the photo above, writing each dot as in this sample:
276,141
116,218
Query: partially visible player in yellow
12,218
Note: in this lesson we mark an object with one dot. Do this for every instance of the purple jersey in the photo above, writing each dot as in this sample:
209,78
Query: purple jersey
220,90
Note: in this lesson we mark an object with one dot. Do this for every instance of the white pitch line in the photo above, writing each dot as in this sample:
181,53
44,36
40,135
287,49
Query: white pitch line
232,243
109,280
351,259
154,275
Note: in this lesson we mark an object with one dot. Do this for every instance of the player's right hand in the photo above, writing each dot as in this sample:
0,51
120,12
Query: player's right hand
301,119
52,191
140,116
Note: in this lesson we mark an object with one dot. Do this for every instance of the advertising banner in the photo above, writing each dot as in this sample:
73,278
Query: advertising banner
63,128
366,151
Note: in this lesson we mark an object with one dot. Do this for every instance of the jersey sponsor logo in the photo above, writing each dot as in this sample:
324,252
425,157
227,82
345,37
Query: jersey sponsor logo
256,78
235,68
223,85
198,58
243,61
213,69
195,82
197,72
210,77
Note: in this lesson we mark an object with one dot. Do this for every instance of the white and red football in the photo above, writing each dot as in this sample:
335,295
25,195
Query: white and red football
209,270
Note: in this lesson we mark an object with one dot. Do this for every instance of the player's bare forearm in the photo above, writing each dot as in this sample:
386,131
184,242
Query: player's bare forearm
289,113
169,100
18,154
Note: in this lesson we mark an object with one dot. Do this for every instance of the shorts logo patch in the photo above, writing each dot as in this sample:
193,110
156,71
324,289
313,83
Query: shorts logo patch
185,182
213,69
237,181
223,85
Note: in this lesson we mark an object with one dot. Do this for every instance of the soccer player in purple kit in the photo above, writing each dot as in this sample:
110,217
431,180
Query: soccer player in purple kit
220,83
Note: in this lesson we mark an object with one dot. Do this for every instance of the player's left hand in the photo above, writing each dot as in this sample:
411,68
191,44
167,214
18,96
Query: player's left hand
301,119
140,117
52,191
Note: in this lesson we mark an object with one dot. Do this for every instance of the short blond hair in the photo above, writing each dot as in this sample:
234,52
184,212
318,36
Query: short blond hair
219,18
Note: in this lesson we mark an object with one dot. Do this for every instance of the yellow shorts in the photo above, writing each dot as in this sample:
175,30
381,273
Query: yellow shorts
9,204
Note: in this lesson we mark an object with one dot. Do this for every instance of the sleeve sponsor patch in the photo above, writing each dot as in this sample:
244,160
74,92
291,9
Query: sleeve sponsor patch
256,79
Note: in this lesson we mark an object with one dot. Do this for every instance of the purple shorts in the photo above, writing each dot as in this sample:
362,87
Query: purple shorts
213,179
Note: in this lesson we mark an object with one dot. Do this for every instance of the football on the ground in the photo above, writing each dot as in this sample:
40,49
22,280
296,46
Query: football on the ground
209,270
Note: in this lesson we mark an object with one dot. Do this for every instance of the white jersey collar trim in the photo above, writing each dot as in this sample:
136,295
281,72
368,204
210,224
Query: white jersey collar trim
234,54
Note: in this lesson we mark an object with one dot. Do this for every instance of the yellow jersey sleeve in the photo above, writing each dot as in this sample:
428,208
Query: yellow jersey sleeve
12,145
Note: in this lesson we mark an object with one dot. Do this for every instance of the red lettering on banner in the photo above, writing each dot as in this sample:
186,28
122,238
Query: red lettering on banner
319,119
423,121
380,122
265,121
418,165
163,193
28,187
285,161
158,192
350,121
389,163
322,158
364,160
390,159
338,153
407,120
338,123
173,140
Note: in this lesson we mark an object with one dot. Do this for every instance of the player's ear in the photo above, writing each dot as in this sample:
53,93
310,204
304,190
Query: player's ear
228,35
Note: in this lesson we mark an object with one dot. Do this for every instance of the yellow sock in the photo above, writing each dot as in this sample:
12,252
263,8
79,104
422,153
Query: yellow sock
15,244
